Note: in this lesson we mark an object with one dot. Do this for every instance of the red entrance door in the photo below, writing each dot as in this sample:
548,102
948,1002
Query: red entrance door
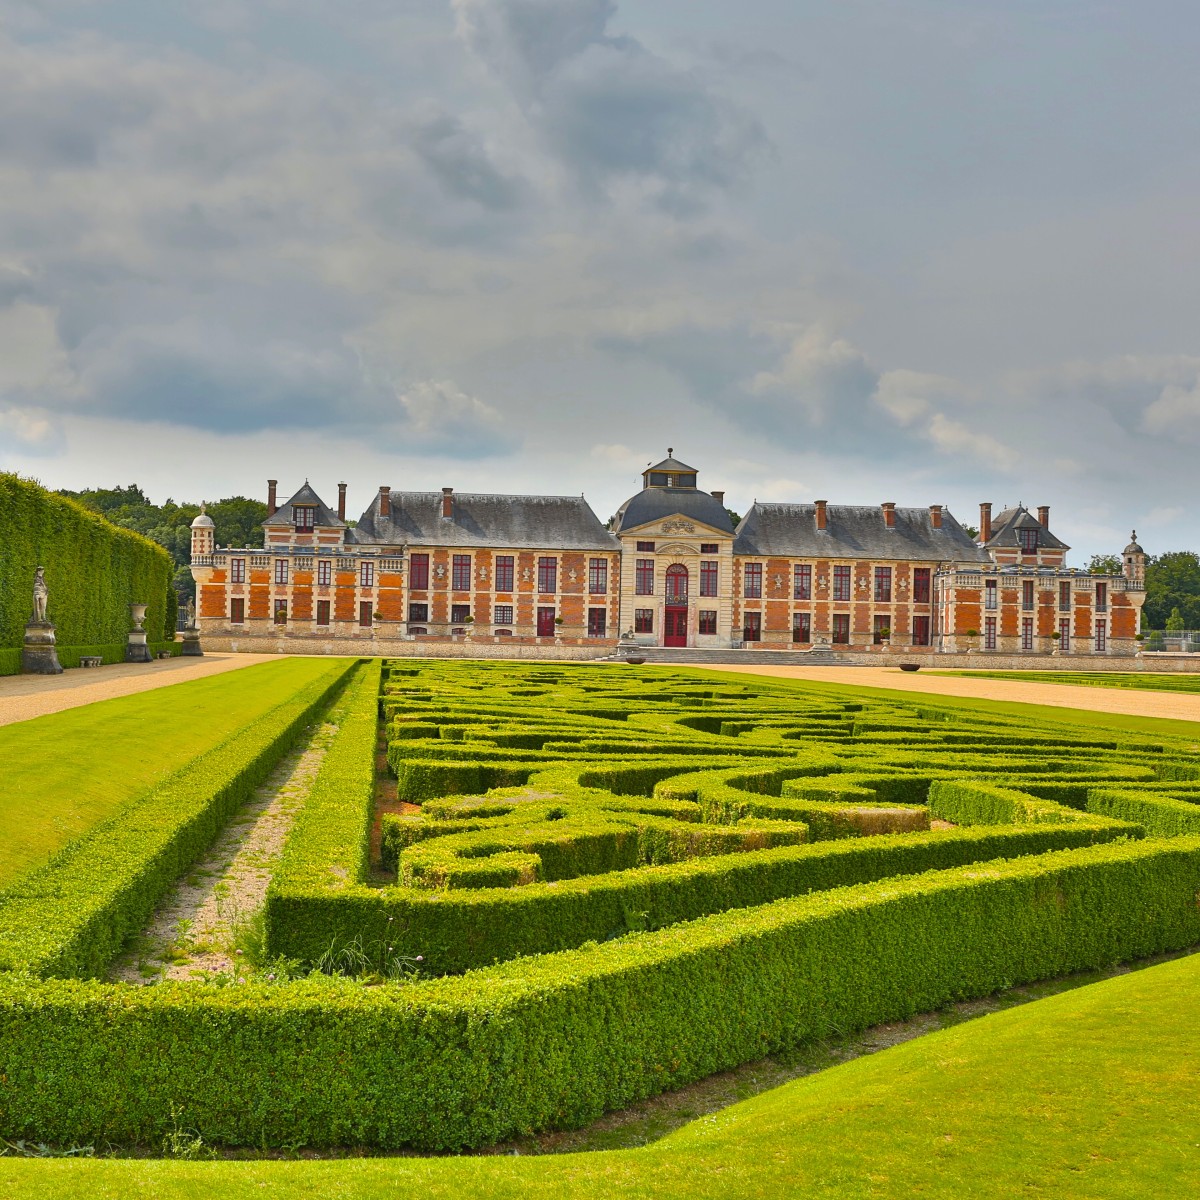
545,622
675,627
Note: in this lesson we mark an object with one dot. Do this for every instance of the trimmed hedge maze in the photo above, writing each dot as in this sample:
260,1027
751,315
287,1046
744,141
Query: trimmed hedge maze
614,882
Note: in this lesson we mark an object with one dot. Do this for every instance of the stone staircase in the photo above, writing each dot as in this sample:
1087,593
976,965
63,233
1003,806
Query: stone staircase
696,656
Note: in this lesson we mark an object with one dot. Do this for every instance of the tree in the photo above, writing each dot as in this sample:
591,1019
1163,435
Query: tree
1173,583
734,517
1105,564
1175,621
971,532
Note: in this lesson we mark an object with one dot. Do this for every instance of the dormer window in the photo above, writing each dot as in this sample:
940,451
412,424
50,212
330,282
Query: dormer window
1028,539
304,516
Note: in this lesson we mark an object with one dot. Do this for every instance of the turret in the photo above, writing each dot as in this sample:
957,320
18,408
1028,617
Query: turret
1133,561
203,534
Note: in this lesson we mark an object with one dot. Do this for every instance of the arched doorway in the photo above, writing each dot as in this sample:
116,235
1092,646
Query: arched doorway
675,621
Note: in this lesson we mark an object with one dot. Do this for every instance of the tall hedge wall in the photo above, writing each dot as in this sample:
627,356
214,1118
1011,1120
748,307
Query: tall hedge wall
94,570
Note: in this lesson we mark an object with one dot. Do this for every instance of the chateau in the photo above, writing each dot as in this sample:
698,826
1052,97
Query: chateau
672,570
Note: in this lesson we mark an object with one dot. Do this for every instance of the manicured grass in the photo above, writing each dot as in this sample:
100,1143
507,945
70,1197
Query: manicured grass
64,772
1035,714
1087,1093
1106,679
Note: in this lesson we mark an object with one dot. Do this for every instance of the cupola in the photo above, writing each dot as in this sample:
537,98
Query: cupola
669,473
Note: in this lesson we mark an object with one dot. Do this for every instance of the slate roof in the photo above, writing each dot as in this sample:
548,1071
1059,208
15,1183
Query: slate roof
1005,526
325,517
499,522
655,503
1133,547
853,531
671,463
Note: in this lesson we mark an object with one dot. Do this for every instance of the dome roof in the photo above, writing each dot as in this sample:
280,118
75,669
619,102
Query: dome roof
1133,547
203,520
655,503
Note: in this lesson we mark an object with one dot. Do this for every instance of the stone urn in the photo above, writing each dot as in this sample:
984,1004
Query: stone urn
136,649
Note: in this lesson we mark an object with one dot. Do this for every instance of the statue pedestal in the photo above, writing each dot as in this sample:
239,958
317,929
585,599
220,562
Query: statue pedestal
191,643
136,650
39,654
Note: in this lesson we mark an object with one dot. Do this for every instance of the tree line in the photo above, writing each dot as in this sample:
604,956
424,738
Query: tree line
1172,587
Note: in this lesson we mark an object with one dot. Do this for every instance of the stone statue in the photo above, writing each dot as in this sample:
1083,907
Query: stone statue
191,613
40,595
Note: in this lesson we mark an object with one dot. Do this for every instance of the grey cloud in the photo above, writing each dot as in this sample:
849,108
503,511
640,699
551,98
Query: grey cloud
460,162
611,111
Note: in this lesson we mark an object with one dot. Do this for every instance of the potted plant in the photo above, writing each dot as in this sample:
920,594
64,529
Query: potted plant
1055,637
971,635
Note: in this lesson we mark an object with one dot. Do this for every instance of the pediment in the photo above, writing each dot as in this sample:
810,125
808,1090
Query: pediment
676,525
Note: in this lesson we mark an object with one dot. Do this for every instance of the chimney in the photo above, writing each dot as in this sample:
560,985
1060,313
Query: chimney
889,513
822,521
719,497
272,484
341,501
1044,516
935,515
447,504
985,521
385,501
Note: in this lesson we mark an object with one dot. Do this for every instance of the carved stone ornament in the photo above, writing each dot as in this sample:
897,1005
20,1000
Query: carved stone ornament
862,585
526,574
821,581
777,580
678,527
572,575
439,572
483,573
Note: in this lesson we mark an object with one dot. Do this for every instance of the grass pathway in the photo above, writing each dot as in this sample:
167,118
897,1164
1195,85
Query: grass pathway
213,914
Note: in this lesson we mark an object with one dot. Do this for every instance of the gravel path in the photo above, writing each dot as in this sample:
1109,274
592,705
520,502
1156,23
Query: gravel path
196,929
23,697
1175,705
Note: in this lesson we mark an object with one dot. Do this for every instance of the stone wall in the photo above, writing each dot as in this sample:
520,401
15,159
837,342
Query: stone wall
400,648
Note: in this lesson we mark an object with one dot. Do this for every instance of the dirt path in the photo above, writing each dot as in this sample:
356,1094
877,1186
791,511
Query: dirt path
23,697
197,929
1175,705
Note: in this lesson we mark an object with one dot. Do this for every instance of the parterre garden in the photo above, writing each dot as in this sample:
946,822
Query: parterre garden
590,885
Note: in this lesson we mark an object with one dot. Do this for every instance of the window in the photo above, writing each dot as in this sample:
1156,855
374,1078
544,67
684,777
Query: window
1026,633
460,573
1028,539
365,613
753,587
504,572
503,614
802,627
643,577
802,581
322,612
237,611
921,576
710,574
841,627
1101,636
677,584
459,614
545,622
281,570
920,635
280,612
1102,597
1064,634
752,626
547,576
707,621
418,572
366,574
237,570
989,633
305,516
643,620
597,622
1064,597
645,547
881,630
324,572
1027,595
991,593
841,583
418,631
708,547
503,633
883,585
597,576
418,612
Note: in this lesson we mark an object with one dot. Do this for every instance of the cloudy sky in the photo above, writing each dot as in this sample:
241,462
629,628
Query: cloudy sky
911,250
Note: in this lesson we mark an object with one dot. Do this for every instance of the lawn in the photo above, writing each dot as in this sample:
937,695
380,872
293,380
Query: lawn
66,771
1108,679
1086,1093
